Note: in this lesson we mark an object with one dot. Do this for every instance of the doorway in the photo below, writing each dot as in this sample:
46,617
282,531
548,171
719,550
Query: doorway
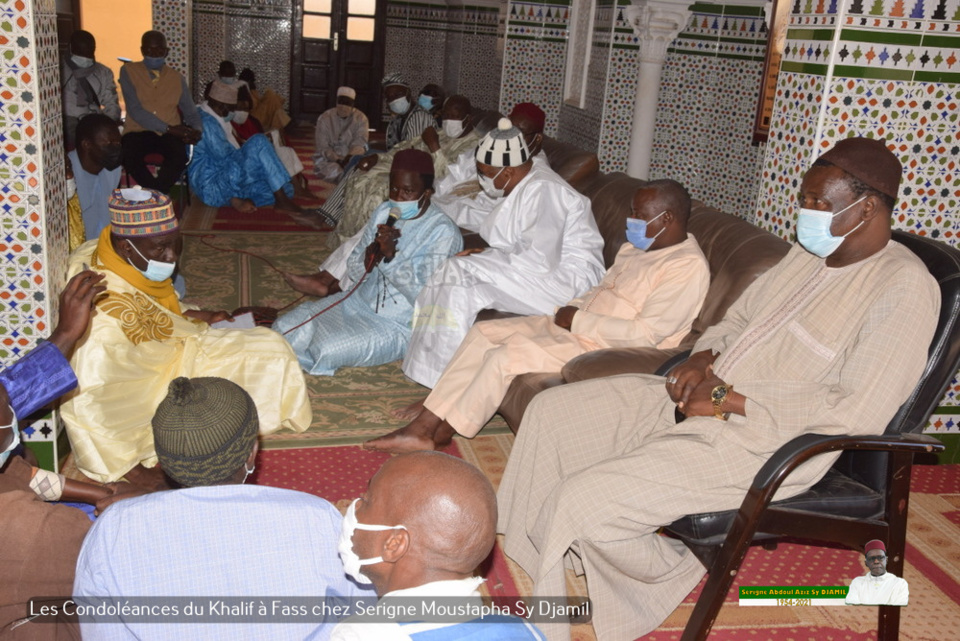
338,42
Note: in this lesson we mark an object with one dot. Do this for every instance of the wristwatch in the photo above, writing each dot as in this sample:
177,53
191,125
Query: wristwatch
719,395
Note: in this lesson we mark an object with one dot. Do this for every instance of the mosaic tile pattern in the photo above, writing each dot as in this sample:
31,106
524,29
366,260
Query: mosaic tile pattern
251,33
172,17
33,231
704,137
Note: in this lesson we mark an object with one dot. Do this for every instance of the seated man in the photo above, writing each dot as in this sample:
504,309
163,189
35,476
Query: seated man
544,250
372,326
225,173
39,541
161,117
342,133
96,170
459,194
86,86
214,537
410,119
420,530
365,188
431,100
831,341
648,298
877,586
267,106
142,337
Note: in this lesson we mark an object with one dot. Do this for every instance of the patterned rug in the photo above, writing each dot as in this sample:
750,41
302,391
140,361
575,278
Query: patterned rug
340,474
348,408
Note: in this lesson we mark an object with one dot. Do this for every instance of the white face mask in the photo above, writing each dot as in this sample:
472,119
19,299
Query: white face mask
487,185
156,271
248,471
453,128
399,106
71,187
813,230
240,117
82,62
351,562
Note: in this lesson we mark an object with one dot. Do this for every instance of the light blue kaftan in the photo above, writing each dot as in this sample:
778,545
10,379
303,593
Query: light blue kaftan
219,171
372,326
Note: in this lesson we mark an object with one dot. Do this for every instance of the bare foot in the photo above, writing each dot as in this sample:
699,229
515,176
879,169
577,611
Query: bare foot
300,189
243,205
315,284
426,432
409,412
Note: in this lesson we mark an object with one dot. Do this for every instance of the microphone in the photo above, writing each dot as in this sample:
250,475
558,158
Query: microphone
373,254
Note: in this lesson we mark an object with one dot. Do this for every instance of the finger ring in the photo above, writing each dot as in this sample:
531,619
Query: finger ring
671,380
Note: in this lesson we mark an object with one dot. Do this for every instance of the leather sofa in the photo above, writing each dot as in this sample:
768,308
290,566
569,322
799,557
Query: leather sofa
737,251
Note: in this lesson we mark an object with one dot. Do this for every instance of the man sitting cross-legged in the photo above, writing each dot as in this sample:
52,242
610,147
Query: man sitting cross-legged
372,326
142,337
425,523
223,172
649,298
213,536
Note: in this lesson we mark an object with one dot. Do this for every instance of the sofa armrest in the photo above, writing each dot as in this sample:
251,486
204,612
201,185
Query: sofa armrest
614,361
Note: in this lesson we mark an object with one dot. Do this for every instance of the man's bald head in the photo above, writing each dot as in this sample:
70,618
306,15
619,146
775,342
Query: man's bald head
673,197
447,505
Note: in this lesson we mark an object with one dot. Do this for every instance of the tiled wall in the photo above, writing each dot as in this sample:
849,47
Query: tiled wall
33,238
173,19
534,57
455,47
893,74
708,98
250,33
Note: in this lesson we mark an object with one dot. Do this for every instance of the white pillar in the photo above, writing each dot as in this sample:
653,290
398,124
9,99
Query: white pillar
657,23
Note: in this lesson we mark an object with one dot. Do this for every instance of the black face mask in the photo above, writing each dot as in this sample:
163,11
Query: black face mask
111,158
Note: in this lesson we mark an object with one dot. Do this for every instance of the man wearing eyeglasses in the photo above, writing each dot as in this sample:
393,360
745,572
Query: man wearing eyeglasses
877,587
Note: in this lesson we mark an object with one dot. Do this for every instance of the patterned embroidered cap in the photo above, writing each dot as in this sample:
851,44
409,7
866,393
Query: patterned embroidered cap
394,78
503,146
137,212
204,430
222,92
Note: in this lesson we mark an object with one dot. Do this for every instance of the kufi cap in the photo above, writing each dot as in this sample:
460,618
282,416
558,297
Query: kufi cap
531,111
394,79
413,160
503,146
869,161
875,544
204,430
222,92
137,212
349,92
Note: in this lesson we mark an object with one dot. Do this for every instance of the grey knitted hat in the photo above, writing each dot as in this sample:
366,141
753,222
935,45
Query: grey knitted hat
204,430
503,146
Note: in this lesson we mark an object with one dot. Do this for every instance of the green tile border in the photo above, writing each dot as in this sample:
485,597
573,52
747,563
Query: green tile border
810,34
872,73
804,67
941,77
947,409
952,443
725,9
936,40
886,37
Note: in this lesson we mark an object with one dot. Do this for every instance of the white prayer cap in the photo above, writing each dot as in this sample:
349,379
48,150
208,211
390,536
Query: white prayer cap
503,146
222,92
348,92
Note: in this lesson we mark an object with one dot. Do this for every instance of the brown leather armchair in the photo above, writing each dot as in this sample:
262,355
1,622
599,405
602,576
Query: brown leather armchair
737,251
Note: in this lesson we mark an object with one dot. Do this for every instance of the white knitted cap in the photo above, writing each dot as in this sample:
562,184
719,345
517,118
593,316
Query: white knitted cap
503,146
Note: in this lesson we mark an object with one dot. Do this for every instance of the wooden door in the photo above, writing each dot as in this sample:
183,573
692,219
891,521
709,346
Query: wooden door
338,42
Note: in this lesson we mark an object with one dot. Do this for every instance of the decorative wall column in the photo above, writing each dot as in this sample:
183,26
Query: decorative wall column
656,23
33,226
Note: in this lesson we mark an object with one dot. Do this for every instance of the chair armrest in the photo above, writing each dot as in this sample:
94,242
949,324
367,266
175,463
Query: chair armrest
806,446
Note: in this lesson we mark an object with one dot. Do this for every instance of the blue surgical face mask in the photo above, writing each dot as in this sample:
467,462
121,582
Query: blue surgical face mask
813,230
637,232
408,208
228,117
82,62
156,271
425,101
154,64
228,80
399,106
